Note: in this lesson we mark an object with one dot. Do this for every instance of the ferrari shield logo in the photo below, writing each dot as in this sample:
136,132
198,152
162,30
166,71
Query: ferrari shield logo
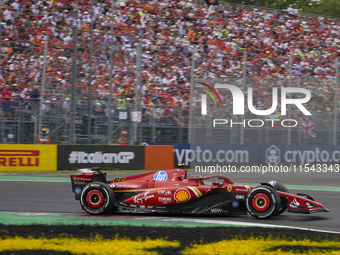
230,188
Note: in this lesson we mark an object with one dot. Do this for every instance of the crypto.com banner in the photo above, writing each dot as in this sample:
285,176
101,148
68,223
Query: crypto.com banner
257,155
104,157
254,155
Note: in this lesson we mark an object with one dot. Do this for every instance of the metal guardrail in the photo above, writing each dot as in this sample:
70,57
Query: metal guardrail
155,127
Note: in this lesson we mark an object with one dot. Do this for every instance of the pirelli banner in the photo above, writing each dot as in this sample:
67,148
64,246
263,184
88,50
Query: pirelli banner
102,156
28,157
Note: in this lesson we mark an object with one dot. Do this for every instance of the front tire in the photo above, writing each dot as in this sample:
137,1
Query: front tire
263,202
284,201
97,198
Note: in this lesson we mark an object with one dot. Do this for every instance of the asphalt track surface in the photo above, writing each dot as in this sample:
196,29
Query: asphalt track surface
57,197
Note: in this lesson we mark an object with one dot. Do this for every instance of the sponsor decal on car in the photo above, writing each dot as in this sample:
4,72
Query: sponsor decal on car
80,183
124,186
294,203
185,180
309,205
272,183
82,179
137,199
182,195
244,190
77,190
165,192
239,196
230,188
119,179
164,200
216,210
160,176
235,204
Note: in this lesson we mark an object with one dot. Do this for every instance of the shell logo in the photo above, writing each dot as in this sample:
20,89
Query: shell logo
182,195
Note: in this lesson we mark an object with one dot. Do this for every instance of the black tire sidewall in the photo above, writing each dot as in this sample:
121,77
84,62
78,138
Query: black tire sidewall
275,202
284,202
108,198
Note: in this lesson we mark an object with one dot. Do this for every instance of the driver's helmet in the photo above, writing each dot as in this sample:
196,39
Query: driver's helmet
200,182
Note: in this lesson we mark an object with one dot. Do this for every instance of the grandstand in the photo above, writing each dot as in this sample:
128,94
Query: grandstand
169,31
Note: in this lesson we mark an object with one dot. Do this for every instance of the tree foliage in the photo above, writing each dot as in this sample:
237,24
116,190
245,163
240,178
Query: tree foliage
322,7
326,7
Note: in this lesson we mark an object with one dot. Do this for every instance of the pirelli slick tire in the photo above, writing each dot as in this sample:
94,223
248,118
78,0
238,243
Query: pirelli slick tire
284,201
263,202
97,198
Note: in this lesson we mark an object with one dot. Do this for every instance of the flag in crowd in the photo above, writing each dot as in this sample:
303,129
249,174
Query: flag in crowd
275,119
307,128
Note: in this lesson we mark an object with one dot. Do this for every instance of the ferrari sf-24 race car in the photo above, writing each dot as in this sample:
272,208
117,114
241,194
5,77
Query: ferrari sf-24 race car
170,191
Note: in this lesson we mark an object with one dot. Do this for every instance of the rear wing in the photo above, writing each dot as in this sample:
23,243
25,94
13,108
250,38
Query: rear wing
88,175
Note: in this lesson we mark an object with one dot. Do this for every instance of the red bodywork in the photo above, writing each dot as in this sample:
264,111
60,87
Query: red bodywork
172,187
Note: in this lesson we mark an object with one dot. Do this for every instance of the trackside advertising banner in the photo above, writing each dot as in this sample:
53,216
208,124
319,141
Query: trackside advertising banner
180,149
255,155
102,156
28,157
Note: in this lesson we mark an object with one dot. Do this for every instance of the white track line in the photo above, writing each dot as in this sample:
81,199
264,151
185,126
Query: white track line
220,222
250,224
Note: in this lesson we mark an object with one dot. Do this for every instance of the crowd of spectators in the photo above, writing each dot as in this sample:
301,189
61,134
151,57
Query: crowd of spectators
170,30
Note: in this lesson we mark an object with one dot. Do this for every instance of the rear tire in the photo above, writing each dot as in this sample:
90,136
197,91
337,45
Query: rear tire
263,202
97,198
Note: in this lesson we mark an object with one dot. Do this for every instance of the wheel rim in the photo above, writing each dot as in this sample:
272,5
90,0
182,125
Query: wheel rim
261,202
95,198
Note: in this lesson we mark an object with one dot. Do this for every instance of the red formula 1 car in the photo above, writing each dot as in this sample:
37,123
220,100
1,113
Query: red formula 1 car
170,191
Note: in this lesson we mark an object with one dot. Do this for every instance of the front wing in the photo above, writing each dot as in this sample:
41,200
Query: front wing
302,203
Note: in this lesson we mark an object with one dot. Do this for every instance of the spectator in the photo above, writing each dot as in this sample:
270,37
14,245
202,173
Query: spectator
99,106
47,107
220,34
6,101
66,107
15,102
34,100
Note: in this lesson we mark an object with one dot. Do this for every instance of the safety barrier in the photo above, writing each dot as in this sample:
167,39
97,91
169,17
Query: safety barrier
16,157
28,157
294,156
